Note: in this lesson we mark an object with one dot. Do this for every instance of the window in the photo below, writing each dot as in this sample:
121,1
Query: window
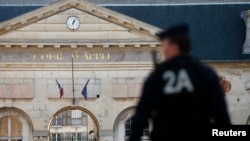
76,117
128,130
58,120
76,137
66,116
56,137
10,128
69,118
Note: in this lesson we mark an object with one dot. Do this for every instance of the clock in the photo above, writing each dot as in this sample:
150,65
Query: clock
73,22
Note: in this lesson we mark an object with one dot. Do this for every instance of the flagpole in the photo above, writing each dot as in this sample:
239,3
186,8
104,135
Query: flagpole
73,82
91,75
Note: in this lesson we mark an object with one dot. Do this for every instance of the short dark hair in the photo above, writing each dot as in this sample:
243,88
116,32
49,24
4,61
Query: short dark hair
178,34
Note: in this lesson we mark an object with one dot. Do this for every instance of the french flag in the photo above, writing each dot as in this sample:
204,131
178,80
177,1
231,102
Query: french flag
60,88
84,90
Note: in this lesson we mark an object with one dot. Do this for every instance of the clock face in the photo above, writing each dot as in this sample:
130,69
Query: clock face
73,23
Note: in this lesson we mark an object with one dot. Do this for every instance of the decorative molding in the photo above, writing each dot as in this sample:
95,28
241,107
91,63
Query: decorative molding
120,66
78,67
40,133
247,86
106,132
78,43
226,85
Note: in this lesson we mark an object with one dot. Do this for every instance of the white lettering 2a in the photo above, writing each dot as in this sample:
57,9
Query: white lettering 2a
181,80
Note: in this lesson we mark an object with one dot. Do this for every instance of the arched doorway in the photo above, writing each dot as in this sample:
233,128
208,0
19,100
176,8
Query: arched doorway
73,123
15,125
122,126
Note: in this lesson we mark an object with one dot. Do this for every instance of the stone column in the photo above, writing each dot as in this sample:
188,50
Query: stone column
9,128
246,16
121,130
25,132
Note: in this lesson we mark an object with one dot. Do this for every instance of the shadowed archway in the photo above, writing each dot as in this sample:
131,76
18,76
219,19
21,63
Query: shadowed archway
68,123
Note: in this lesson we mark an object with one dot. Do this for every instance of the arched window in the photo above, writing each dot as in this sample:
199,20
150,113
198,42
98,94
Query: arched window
70,118
128,130
10,129
73,125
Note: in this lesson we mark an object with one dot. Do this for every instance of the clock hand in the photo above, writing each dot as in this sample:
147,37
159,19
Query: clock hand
74,21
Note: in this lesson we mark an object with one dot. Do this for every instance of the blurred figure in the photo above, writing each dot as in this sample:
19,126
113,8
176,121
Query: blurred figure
181,95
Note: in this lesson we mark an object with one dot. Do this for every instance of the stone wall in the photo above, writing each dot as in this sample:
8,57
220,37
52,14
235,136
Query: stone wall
239,95
117,90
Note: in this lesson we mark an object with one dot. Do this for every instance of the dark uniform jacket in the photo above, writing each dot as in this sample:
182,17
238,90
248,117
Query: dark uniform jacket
182,97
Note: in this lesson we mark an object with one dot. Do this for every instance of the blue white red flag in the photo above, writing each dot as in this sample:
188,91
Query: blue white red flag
60,88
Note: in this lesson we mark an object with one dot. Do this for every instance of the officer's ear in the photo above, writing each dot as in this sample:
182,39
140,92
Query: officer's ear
175,47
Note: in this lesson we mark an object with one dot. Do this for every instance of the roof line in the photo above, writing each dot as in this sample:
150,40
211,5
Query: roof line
146,4
225,61
20,5
175,4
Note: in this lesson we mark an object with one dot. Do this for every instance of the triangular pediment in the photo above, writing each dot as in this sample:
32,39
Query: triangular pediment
96,24
90,28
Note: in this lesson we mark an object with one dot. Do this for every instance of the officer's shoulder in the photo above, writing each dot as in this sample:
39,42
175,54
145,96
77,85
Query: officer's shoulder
162,65
208,71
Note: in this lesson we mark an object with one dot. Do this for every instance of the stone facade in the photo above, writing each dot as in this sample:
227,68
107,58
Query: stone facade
115,96
111,49
36,49
33,90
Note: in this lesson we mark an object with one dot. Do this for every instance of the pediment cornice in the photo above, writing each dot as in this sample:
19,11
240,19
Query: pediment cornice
134,26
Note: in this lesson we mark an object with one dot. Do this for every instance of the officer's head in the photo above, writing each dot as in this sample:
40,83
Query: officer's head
175,41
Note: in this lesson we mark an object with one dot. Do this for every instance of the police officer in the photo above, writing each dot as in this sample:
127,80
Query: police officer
181,96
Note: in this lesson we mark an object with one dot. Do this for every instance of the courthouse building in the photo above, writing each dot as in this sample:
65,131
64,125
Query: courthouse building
110,42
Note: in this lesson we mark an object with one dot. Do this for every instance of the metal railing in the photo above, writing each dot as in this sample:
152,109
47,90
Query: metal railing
67,138
144,138
11,138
